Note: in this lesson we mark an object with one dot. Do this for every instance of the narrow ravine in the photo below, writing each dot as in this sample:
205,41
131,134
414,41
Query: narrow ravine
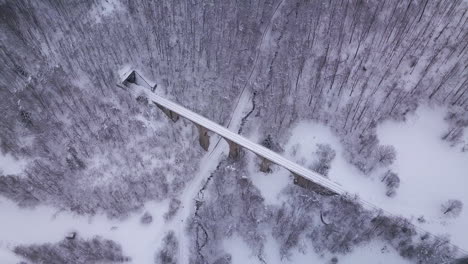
218,149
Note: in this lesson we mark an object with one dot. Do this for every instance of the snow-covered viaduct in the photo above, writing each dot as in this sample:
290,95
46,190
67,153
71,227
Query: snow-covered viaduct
302,176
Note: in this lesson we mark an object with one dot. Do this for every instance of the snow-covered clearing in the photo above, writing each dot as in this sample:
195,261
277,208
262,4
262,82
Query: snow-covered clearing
45,224
430,170
104,8
269,184
10,165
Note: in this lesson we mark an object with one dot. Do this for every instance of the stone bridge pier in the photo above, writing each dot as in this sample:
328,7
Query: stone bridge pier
265,165
234,149
310,185
203,137
204,140
172,115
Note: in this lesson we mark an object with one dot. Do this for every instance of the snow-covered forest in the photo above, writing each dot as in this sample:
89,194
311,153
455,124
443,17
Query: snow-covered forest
370,94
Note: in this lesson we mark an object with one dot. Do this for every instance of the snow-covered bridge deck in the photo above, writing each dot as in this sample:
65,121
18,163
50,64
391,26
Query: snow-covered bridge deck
245,143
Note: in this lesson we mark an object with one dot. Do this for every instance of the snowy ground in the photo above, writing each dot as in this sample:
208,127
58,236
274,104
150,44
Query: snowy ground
430,170
137,240
10,165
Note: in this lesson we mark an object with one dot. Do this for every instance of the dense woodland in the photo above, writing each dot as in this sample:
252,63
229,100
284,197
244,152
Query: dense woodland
333,224
349,64
76,250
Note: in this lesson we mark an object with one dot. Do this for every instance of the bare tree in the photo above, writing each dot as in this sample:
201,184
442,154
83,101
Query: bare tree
325,155
452,208
168,254
392,182
385,155
146,218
